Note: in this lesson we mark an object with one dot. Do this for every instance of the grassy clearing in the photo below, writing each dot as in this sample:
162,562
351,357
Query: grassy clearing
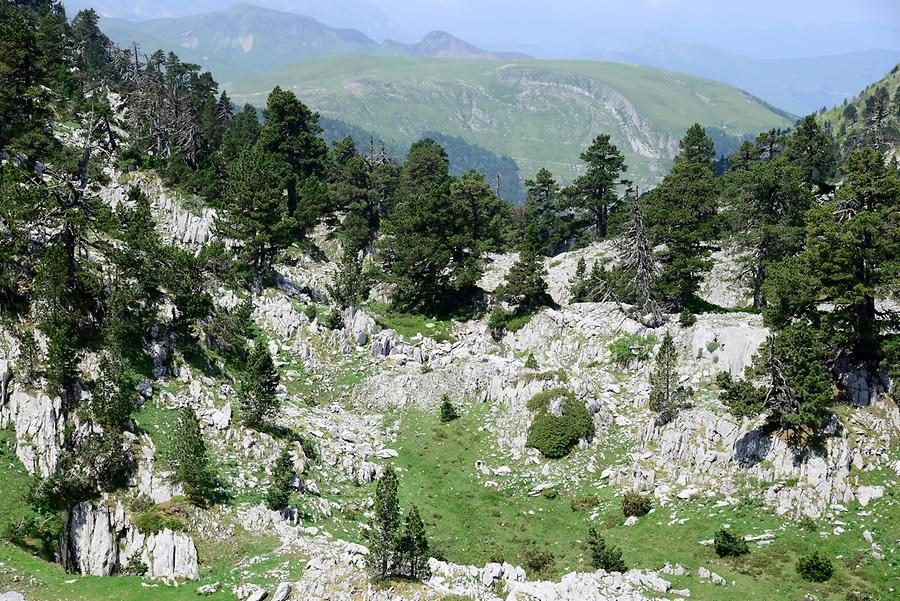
408,324
470,523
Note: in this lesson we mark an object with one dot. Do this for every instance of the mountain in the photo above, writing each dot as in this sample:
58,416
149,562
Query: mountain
440,44
851,122
798,85
352,14
540,113
240,41
247,40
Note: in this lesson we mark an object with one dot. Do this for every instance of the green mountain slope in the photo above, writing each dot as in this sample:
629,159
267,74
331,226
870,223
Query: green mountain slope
240,41
540,113
848,121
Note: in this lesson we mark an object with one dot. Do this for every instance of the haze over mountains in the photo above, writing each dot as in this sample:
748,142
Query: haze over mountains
798,85
247,40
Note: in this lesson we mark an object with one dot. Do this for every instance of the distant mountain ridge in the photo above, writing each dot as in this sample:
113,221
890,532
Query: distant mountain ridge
798,85
440,44
247,40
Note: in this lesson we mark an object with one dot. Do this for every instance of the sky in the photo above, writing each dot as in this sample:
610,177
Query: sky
569,28
760,28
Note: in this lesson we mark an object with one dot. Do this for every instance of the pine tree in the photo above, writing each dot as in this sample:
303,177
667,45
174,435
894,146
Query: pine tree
28,354
696,147
767,202
254,213
595,191
427,252
799,391
681,212
543,226
414,546
189,459
114,397
525,286
639,260
351,282
667,398
811,148
448,411
384,533
279,493
604,556
259,401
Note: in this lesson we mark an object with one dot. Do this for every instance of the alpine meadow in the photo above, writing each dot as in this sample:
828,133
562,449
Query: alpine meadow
383,300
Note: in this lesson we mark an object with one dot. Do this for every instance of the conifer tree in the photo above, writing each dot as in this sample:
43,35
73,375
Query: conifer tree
525,286
543,224
667,398
603,555
696,147
595,191
189,459
414,546
639,260
812,150
681,212
259,401
448,411
384,534
279,493
254,213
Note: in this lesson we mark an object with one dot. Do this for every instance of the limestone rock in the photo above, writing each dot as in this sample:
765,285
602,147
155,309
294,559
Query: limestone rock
171,554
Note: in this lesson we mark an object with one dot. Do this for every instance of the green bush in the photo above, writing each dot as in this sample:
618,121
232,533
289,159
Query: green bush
159,518
741,397
310,312
727,544
631,348
538,561
333,320
815,567
498,320
604,556
134,566
555,436
531,362
636,504
584,502
448,411
687,319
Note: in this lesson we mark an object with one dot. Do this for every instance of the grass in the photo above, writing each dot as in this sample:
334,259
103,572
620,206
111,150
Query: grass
529,110
473,524
409,324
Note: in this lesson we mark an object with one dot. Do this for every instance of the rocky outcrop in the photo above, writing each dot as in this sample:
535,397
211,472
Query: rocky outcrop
169,554
98,539
704,450
90,545
38,422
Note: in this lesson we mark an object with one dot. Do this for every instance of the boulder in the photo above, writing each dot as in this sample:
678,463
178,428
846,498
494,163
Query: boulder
90,543
169,554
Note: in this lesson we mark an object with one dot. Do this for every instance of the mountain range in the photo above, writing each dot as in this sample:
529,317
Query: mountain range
798,85
540,113
247,40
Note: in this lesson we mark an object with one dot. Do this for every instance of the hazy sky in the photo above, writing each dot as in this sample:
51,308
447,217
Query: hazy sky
763,28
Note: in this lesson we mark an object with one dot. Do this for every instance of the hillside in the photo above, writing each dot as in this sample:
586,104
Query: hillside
798,85
852,122
241,41
540,113
440,44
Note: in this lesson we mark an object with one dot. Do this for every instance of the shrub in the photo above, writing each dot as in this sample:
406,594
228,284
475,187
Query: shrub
555,436
531,362
807,523
549,494
815,567
134,566
741,397
636,504
498,320
448,411
584,502
333,320
538,561
310,312
157,519
603,556
687,319
727,544
631,348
